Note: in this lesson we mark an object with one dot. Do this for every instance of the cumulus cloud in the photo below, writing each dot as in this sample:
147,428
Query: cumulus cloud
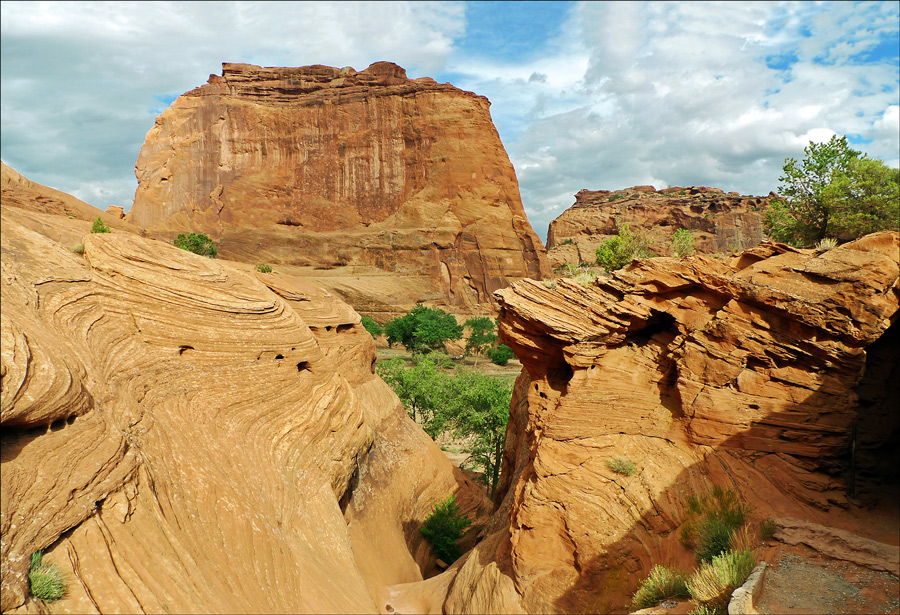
82,82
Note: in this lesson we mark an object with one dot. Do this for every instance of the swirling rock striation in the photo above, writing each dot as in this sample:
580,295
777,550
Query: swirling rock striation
334,168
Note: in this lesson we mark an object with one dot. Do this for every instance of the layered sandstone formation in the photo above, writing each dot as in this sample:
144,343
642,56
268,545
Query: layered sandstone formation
184,435
719,222
339,169
757,374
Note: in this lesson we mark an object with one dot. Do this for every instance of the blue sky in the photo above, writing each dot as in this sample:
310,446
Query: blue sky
598,95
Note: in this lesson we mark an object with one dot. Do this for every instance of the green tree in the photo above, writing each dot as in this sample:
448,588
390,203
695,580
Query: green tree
423,329
198,243
683,243
422,389
834,192
863,199
616,252
478,411
99,226
371,326
482,337
444,527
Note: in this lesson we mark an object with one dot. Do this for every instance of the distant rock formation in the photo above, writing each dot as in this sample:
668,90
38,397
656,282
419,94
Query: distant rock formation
334,168
720,222
774,374
180,434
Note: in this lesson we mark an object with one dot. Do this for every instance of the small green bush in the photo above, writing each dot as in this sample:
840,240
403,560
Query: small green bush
616,252
372,327
714,537
767,529
567,242
444,527
99,226
661,584
198,243
683,243
45,579
621,465
501,354
614,197
438,358
264,268
712,521
712,584
78,248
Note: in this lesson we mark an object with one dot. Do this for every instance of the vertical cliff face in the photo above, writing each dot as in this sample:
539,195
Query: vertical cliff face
752,374
333,167
183,435
719,222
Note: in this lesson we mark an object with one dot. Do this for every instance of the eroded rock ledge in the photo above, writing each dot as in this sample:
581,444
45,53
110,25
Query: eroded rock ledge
746,374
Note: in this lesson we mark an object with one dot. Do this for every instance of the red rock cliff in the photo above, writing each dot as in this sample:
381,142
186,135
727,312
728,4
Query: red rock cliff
331,167
720,222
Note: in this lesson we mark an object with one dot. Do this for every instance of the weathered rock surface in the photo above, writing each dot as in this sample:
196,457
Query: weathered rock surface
331,168
700,371
719,222
184,435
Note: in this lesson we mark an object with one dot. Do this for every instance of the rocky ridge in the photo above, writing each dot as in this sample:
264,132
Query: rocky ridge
720,222
747,374
336,169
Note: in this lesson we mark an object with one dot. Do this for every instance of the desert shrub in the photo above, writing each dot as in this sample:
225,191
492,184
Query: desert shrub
712,519
683,243
621,465
501,354
551,284
198,243
444,527
616,252
767,529
371,326
567,242
264,268
440,359
78,248
660,584
712,584
614,197
826,244
45,579
99,226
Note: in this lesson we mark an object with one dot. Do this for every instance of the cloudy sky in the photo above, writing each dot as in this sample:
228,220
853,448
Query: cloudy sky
598,95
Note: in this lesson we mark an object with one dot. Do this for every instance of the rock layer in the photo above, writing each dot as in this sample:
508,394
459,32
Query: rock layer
719,222
742,374
184,435
332,167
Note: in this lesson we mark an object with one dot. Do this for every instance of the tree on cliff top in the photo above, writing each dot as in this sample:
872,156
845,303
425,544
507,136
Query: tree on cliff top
834,192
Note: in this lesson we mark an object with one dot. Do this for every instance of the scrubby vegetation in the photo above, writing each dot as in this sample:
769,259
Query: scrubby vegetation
198,243
78,248
621,465
501,354
616,252
661,584
712,520
444,527
423,329
834,192
482,334
45,579
99,226
264,268
683,243
371,326
712,584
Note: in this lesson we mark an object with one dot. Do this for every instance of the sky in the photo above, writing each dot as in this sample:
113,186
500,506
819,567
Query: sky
596,95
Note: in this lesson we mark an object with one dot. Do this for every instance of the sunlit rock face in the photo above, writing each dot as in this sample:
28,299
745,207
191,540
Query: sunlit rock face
181,434
718,222
334,168
756,374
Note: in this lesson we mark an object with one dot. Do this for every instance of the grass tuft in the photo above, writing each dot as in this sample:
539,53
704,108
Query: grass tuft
621,465
78,248
45,579
767,529
660,584
712,520
264,268
711,586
